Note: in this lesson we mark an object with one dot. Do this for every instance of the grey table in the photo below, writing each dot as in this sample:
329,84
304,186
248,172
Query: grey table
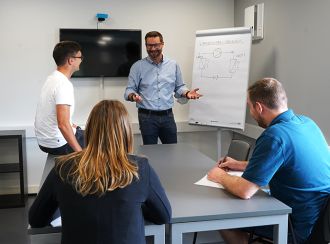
201,208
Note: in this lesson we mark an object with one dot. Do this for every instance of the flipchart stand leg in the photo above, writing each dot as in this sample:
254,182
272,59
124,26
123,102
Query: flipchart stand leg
224,137
219,144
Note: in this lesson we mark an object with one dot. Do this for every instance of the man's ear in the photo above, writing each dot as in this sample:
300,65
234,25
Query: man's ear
259,107
70,61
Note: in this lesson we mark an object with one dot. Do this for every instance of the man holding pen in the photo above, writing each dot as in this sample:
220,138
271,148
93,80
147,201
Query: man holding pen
291,156
228,163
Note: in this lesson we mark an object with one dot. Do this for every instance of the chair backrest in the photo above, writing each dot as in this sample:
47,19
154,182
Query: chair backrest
239,150
321,230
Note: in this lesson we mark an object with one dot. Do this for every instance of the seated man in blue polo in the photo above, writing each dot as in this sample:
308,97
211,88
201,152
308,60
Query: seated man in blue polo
151,84
291,156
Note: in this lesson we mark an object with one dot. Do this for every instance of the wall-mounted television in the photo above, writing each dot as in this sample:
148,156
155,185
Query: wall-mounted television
107,52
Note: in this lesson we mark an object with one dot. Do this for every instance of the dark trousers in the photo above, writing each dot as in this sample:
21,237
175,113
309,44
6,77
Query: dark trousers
267,232
157,124
66,149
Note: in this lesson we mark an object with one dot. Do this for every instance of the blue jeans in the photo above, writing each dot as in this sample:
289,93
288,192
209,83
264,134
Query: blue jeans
153,126
66,149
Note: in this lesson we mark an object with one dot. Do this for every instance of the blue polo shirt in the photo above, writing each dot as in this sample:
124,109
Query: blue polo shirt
293,157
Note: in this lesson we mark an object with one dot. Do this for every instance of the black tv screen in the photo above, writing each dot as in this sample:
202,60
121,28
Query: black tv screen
107,52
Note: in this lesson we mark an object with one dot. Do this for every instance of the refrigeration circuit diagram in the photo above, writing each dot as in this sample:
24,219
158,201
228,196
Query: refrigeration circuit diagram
218,63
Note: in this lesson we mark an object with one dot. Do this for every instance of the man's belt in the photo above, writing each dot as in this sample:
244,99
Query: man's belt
155,112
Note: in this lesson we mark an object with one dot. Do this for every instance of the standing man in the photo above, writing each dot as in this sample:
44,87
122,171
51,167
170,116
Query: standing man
55,132
291,155
151,84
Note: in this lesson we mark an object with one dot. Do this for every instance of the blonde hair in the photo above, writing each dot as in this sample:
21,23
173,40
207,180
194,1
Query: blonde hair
103,165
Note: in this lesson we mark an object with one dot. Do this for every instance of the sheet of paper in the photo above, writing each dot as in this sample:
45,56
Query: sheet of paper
56,222
205,182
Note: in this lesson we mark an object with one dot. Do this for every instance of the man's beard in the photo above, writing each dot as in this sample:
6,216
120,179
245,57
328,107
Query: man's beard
155,53
261,122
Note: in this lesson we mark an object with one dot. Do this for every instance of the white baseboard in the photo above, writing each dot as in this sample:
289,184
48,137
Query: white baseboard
33,189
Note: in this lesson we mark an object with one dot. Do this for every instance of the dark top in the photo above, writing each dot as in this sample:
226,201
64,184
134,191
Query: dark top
116,217
293,157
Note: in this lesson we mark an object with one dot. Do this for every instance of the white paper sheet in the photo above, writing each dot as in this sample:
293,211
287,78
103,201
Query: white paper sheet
205,182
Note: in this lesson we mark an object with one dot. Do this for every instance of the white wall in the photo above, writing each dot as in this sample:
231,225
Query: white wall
30,30
295,50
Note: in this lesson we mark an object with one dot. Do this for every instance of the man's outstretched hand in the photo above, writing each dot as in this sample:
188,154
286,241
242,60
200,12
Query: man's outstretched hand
193,94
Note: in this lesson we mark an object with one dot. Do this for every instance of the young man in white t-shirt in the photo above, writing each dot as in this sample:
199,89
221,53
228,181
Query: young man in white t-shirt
55,132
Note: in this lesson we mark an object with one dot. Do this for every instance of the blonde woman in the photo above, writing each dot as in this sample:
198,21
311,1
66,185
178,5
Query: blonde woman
103,192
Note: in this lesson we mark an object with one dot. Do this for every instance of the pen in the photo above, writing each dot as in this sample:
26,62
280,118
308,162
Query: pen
222,161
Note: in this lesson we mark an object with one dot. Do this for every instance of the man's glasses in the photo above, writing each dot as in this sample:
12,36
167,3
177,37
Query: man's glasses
155,45
81,57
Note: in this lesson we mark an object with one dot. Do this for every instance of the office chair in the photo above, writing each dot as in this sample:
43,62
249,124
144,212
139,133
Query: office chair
321,230
238,150
320,233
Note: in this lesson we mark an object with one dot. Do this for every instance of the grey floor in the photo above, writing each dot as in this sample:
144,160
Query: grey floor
13,224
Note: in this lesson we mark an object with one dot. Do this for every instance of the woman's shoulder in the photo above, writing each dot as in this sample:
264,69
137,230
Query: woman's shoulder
140,160
63,167
59,161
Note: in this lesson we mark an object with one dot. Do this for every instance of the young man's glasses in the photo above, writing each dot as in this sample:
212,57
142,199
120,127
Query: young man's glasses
81,57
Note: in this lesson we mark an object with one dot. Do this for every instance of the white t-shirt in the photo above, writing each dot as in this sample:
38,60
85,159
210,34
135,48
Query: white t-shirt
56,90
